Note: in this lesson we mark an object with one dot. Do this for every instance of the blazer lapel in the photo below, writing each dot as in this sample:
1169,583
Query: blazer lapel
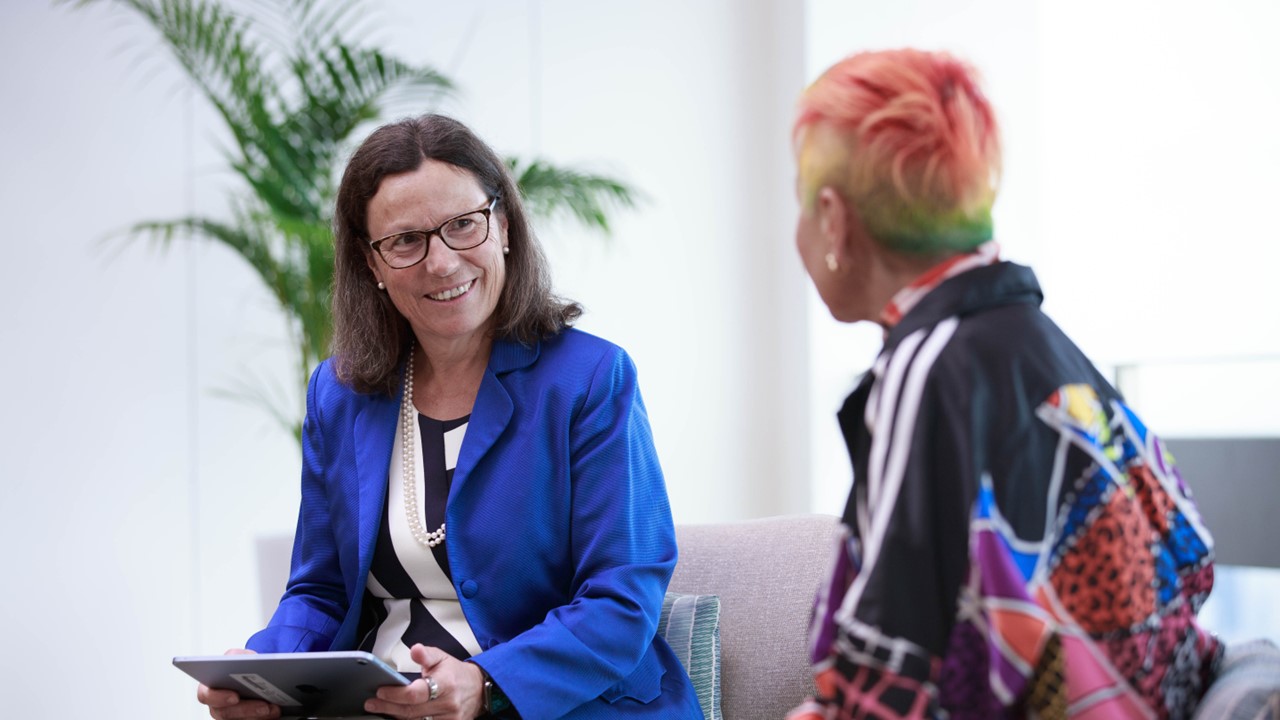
493,407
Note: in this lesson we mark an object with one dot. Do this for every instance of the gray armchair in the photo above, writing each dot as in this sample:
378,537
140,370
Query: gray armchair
765,573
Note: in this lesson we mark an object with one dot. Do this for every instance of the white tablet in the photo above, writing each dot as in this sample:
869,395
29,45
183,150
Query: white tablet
307,684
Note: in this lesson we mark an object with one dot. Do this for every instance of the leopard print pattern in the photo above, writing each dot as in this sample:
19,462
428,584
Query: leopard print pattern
1157,505
1106,579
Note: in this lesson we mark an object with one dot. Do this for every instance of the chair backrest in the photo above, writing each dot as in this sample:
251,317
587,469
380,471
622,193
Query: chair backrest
766,572
274,553
1247,686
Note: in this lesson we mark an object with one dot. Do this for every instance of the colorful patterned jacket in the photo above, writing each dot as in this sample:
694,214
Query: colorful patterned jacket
1016,542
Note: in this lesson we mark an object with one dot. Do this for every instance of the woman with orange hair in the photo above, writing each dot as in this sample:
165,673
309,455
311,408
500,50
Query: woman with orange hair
1017,543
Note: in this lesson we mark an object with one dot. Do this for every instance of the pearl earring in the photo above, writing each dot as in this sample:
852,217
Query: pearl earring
832,265
506,250
382,285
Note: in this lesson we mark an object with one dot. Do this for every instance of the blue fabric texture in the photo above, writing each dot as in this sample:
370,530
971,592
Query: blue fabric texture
561,542
691,626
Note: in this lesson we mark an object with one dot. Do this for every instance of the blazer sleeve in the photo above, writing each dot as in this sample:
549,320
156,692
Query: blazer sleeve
623,544
314,602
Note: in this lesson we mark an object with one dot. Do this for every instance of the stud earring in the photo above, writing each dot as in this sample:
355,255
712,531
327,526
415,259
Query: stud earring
506,250
382,285
832,265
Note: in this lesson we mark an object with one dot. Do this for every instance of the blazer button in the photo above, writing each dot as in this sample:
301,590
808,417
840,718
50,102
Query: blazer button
469,589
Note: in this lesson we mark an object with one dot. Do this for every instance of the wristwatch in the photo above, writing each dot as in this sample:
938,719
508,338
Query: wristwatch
495,701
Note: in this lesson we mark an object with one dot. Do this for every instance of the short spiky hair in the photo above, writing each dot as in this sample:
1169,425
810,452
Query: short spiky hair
918,152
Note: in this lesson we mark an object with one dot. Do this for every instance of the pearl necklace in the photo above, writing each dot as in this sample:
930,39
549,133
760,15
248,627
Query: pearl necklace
408,475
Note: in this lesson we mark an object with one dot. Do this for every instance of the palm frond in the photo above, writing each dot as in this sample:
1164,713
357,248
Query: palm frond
549,190
252,247
215,48
344,86
316,23
273,400
292,91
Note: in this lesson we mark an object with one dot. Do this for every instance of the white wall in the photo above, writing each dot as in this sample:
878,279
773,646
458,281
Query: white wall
135,494
1157,216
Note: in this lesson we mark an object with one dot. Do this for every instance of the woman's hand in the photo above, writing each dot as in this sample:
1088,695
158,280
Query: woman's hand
227,705
459,690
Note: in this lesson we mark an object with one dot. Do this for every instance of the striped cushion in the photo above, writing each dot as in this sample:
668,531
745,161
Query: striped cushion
691,626
1247,686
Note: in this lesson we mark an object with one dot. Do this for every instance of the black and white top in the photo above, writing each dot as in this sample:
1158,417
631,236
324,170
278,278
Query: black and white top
409,596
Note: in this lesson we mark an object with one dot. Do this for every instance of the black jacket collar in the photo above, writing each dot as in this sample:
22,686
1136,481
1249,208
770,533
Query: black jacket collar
972,291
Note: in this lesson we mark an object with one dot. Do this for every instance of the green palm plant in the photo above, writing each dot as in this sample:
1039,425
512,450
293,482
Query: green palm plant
292,91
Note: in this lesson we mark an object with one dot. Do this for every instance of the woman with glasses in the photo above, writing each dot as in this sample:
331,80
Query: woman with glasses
482,506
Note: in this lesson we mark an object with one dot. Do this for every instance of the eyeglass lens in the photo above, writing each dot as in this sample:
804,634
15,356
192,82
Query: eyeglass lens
461,233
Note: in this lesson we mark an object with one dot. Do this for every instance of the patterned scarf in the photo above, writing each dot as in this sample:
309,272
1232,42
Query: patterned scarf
988,253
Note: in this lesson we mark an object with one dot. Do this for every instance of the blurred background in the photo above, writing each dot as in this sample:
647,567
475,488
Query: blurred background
139,502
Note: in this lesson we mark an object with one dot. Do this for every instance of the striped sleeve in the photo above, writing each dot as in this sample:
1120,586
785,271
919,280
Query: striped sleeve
882,618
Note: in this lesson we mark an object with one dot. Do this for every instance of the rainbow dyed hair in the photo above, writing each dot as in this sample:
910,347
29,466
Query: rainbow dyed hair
909,139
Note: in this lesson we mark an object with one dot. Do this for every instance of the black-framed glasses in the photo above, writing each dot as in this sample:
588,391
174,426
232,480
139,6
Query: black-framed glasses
461,232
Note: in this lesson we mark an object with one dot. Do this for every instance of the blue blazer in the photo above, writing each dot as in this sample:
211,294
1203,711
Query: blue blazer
561,542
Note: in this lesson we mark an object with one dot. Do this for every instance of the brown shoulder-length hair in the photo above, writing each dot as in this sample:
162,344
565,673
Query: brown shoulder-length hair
369,334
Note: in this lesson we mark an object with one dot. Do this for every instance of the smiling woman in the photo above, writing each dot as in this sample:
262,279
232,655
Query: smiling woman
460,410
447,294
